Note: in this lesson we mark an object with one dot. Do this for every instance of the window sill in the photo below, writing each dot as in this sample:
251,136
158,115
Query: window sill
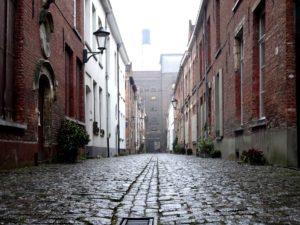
261,123
4,123
77,33
218,53
194,89
235,6
100,65
75,120
239,131
219,138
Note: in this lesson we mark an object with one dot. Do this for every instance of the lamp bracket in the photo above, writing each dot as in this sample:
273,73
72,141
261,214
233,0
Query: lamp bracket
86,53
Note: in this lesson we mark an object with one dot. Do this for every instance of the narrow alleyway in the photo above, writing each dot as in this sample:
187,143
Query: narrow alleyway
174,189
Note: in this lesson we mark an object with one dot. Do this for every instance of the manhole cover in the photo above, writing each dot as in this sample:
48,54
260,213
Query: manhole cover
137,221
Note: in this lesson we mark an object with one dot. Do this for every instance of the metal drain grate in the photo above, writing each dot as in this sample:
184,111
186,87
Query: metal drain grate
137,221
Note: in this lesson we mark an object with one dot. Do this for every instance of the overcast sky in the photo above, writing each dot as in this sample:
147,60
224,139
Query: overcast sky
167,21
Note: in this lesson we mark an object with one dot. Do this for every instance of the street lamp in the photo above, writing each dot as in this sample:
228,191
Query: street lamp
101,37
174,102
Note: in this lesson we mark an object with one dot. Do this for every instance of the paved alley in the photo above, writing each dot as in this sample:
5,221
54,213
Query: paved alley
174,189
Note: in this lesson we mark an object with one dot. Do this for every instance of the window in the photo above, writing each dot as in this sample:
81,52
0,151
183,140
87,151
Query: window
69,98
219,104
87,21
95,99
200,60
7,12
239,69
94,27
259,61
217,15
208,41
202,117
100,106
261,43
194,73
79,90
209,108
74,12
108,114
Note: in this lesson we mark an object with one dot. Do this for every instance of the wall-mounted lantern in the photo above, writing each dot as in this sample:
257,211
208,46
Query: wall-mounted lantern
174,102
101,37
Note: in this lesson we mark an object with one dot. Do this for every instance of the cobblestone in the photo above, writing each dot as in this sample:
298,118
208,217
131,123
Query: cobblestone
174,189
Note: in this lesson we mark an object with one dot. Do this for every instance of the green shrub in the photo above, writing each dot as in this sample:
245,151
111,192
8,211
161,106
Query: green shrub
253,156
71,137
179,149
205,145
215,154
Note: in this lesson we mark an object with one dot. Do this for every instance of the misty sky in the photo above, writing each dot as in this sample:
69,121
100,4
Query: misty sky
168,23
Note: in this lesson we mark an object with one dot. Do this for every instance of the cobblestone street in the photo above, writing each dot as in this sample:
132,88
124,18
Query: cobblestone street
174,189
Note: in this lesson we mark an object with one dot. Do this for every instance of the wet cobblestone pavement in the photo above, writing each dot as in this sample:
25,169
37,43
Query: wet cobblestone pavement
174,189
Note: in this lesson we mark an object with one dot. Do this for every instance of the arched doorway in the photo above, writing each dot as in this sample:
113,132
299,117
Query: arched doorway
44,123
43,85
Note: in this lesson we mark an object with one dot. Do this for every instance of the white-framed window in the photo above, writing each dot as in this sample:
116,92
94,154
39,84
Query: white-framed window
239,68
95,99
87,21
94,28
100,106
219,104
74,12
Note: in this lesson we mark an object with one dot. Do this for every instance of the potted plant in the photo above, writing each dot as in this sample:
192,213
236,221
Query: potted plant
206,147
71,137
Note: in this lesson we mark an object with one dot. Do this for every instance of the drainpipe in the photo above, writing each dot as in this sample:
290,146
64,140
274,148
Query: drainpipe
118,100
183,106
107,94
205,72
183,101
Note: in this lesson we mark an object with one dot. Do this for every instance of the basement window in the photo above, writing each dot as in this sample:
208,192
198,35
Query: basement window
137,221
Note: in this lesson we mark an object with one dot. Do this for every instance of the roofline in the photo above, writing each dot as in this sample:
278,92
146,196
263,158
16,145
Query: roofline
115,30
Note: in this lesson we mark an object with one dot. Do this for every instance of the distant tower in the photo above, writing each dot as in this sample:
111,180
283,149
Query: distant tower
146,48
146,36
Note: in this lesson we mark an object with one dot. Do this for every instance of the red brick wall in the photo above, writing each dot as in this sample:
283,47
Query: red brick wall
280,89
28,53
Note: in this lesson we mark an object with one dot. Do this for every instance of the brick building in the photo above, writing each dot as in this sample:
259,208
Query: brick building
131,111
41,78
156,91
238,79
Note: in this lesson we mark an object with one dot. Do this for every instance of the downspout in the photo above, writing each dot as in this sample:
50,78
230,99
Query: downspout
183,109
118,100
107,96
205,72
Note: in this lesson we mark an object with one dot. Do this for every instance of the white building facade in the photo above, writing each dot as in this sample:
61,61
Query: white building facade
104,83
170,128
